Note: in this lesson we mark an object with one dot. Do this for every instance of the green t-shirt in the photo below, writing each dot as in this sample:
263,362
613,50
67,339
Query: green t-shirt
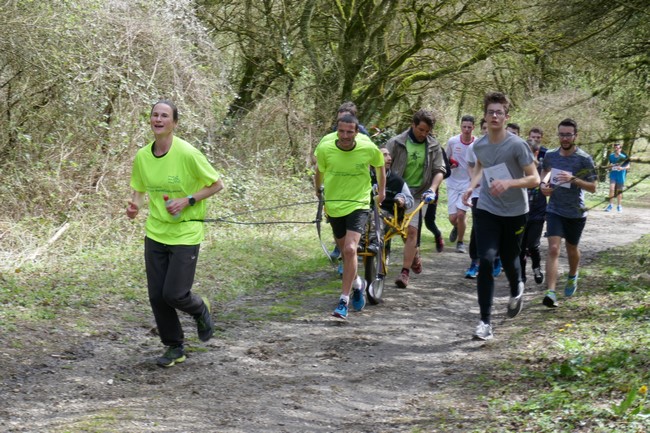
415,164
346,175
182,171
333,136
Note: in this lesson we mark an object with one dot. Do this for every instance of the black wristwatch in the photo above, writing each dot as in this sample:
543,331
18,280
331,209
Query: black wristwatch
192,200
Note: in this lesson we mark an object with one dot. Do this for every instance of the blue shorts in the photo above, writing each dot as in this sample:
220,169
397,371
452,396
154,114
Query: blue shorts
354,222
568,228
618,184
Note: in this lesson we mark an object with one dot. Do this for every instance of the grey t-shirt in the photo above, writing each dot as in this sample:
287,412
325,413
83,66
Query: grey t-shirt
568,200
502,161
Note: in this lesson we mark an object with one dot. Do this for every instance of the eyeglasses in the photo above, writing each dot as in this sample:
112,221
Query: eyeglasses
568,135
492,113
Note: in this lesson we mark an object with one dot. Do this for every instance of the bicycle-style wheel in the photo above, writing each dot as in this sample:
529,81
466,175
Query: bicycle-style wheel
370,274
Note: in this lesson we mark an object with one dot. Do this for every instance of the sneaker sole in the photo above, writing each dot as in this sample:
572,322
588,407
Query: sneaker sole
339,316
476,337
550,303
173,362
400,284
205,338
513,312
359,304
568,294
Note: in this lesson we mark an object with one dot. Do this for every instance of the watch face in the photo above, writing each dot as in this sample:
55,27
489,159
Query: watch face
192,201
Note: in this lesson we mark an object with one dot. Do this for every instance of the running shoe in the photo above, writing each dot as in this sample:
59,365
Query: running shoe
440,243
204,326
497,267
460,248
335,254
416,266
539,277
358,293
453,236
341,310
516,303
550,300
403,280
483,331
619,208
472,271
571,286
609,208
172,356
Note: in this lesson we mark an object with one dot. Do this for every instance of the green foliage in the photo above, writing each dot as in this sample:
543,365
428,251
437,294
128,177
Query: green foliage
598,375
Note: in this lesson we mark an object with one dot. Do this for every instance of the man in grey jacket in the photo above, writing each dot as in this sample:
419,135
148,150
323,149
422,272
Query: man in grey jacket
417,158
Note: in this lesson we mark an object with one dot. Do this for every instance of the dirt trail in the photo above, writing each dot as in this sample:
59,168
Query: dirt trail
310,374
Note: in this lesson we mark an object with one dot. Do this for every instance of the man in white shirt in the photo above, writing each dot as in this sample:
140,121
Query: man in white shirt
459,180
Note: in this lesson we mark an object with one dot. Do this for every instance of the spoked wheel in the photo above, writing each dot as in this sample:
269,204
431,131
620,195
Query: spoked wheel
374,281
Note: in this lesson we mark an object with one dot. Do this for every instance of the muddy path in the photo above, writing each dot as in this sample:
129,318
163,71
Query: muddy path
309,374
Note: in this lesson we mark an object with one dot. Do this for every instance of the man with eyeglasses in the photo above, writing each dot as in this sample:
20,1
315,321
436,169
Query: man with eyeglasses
505,169
567,172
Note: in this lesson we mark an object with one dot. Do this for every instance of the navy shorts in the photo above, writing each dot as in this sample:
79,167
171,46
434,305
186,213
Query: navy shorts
568,228
355,222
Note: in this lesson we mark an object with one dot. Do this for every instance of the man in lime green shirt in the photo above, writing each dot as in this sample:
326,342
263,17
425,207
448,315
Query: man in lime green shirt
343,164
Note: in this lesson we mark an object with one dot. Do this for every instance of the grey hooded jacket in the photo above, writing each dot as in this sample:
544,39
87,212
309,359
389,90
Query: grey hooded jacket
433,164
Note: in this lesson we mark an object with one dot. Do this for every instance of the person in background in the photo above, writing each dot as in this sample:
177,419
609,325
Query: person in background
513,128
531,240
397,191
536,135
178,178
417,158
458,182
567,172
618,166
343,169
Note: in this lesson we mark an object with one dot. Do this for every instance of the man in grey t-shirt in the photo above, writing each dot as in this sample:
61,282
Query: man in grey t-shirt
505,169
567,173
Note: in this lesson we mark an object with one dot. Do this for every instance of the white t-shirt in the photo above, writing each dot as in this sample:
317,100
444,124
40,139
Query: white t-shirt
457,150
471,162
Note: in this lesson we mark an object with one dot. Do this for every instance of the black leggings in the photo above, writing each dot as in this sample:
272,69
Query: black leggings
430,217
497,235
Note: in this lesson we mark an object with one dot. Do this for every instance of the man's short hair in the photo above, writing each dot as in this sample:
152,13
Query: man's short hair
496,98
514,126
348,118
569,122
467,118
537,130
348,107
424,116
